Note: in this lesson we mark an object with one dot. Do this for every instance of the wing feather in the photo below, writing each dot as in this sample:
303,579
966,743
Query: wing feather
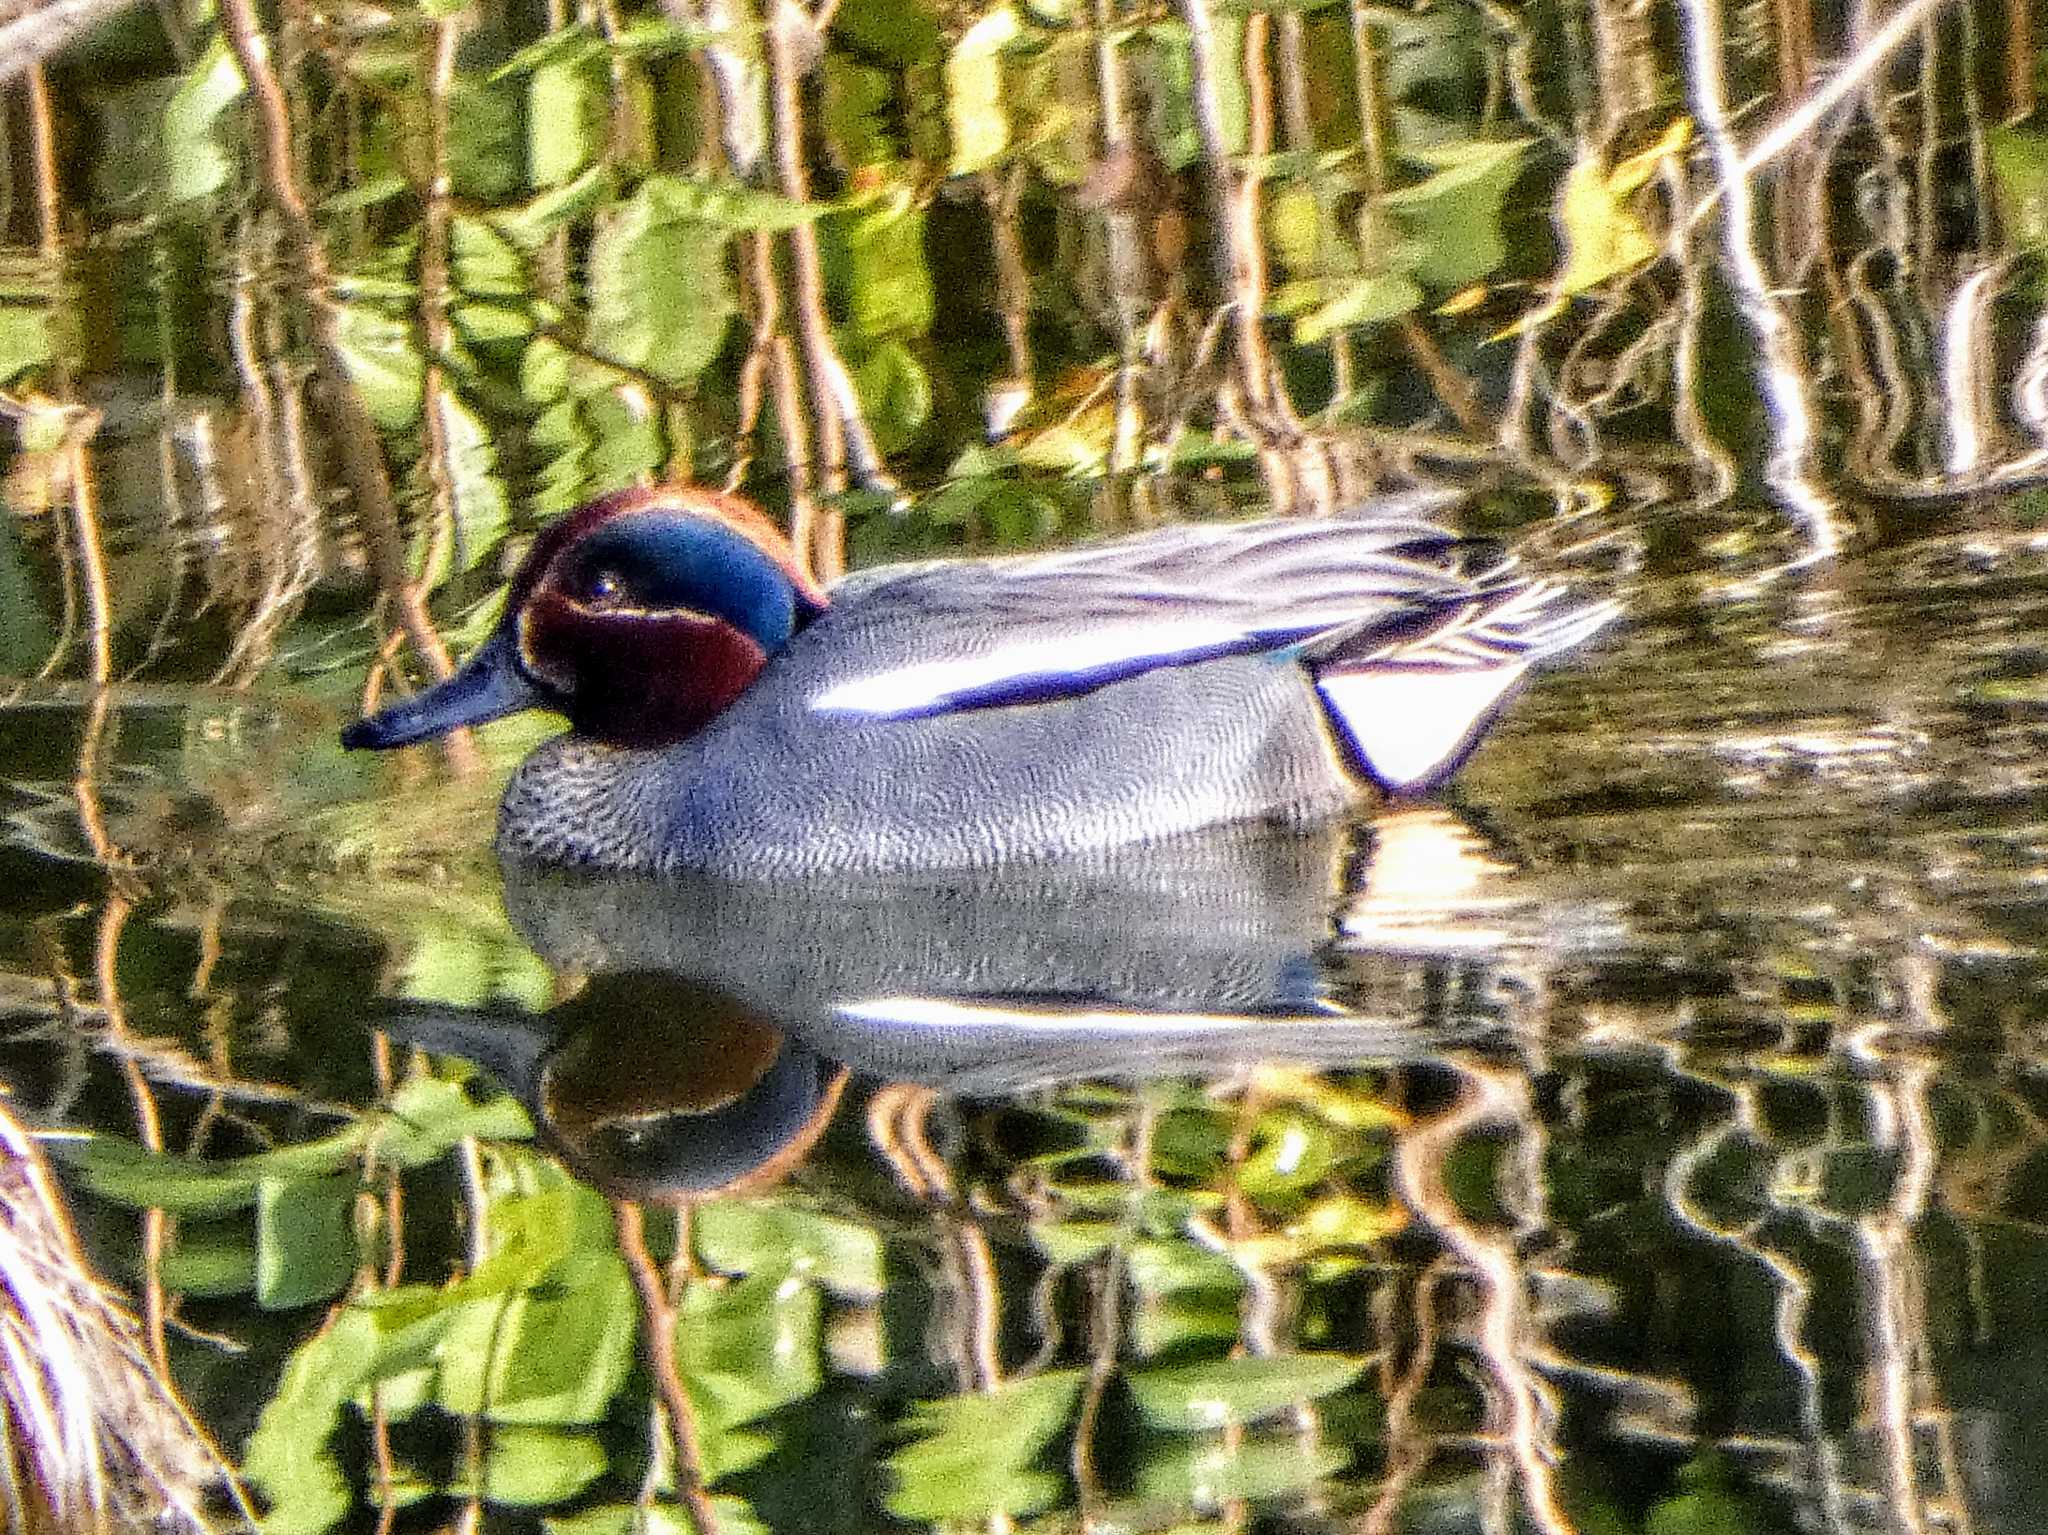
905,641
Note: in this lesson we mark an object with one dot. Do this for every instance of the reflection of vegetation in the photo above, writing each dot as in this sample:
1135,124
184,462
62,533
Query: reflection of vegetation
413,280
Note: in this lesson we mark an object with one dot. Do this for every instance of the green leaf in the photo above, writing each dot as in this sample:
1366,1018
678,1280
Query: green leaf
972,1455
889,278
660,291
562,1356
571,45
900,33
733,205
483,512
484,262
627,443
526,1467
195,163
25,338
2019,177
1603,237
486,140
124,1172
1347,304
384,363
367,193
896,392
567,113
1209,1470
288,1458
211,1258
1455,214
533,221
745,1350
1708,1506
429,1117
1292,1151
1220,1392
741,1236
975,105
305,1244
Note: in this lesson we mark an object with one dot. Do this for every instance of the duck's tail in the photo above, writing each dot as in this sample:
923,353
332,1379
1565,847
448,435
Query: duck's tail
1409,710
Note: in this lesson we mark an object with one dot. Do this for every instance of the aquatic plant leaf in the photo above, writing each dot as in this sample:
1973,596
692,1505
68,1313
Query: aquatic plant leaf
562,1356
567,109
305,1244
453,961
1454,215
1359,301
1291,1152
427,1117
745,1350
486,140
483,262
627,442
735,206
1345,1220
899,32
889,279
384,362
288,1458
482,510
1207,1471
526,1467
210,1258
1707,1505
569,45
660,292
27,631
734,1518
532,221
856,96
1220,1392
120,1170
367,193
1603,237
25,338
975,106
896,391
195,163
744,1236
2019,177
971,1456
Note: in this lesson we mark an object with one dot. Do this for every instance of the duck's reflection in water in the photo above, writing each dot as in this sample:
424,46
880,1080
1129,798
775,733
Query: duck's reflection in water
1566,1214
712,1025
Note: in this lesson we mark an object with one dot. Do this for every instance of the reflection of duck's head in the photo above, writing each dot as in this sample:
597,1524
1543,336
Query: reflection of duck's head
648,1085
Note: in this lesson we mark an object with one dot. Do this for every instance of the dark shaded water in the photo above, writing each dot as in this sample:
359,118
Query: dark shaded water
1648,1138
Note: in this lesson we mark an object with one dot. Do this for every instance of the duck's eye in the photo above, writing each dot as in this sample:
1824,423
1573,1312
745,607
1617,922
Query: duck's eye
602,588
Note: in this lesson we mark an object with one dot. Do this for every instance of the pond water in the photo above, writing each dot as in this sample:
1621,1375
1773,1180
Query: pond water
1647,1135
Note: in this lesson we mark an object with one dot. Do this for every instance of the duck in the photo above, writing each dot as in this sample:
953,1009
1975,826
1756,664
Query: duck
729,715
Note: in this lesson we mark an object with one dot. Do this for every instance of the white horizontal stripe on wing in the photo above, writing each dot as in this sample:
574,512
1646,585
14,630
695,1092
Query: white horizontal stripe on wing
925,686
929,1012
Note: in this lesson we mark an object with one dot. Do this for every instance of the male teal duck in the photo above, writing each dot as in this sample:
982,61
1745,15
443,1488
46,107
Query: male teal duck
730,716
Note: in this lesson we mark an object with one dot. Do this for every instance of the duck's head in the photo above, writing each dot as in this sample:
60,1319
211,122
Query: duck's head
639,616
